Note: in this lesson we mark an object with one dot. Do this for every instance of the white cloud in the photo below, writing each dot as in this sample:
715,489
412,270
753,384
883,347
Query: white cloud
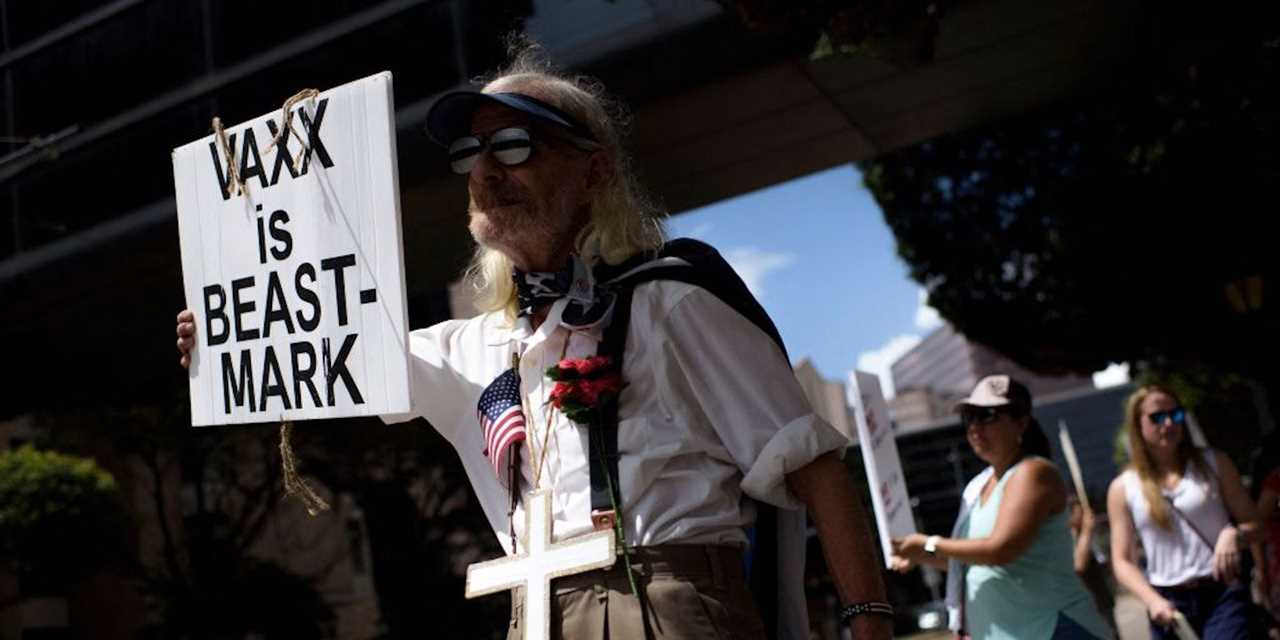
880,360
700,232
754,265
926,316
1115,374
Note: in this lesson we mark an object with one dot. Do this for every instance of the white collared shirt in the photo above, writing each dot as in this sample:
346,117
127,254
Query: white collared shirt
711,411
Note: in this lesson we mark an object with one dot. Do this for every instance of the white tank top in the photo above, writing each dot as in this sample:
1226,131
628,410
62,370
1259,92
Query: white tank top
1177,554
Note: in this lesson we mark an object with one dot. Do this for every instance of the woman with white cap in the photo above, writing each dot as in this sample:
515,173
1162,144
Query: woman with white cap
1009,557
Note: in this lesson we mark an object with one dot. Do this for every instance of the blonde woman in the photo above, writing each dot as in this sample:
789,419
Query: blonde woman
1178,502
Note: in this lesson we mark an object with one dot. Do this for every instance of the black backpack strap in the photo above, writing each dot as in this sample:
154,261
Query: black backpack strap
698,264
603,437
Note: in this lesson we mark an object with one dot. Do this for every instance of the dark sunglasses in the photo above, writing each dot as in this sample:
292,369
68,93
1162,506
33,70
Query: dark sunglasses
510,146
981,415
1177,414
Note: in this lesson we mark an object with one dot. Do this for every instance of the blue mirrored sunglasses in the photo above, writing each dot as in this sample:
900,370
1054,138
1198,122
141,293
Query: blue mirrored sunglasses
1177,414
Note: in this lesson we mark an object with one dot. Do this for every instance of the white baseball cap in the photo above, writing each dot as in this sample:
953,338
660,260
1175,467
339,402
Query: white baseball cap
998,391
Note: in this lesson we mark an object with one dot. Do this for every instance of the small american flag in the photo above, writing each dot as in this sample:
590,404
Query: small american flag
502,418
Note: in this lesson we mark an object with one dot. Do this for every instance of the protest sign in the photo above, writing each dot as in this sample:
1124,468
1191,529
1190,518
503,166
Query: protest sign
1073,463
291,260
888,486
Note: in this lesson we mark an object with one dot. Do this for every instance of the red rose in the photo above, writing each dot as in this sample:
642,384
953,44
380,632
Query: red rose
561,392
582,385
588,366
592,390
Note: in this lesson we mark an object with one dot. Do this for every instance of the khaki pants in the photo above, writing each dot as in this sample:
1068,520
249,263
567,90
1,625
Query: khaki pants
692,592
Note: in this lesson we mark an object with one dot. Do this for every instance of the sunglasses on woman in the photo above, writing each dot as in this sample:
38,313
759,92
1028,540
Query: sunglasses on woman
981,415
1177,414
510,146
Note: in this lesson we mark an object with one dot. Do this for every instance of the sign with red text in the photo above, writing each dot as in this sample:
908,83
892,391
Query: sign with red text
888,486
292,262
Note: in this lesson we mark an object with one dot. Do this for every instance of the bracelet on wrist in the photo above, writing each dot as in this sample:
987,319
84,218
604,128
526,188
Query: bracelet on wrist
878,608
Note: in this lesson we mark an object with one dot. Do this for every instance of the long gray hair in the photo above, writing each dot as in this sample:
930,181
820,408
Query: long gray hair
624,219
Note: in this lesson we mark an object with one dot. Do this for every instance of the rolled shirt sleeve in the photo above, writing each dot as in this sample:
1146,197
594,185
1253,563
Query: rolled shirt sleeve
747,393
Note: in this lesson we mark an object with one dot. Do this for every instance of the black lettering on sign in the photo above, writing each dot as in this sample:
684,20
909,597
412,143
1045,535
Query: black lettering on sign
302,375
251,158
272,383
337,264
276,309
230,387
262,239
336,367
281,235
212,313
308,296
224,175
283,157
314,143
240,307
250,147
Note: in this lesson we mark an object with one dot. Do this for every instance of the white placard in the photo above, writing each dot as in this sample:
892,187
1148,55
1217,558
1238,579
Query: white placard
888,486
1183,628
1073,463
297,284
1197,434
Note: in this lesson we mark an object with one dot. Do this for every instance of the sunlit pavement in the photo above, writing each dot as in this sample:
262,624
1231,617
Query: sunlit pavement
1131,617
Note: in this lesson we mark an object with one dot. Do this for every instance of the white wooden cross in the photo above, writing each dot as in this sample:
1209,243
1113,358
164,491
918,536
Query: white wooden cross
541,562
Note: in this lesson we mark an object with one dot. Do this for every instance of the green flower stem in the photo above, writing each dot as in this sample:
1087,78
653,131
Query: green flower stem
617,519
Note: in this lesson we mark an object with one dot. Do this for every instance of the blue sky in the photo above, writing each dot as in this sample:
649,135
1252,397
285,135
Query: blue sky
817,253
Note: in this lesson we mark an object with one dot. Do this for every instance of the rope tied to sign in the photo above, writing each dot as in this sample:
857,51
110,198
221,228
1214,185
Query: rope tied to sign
286,129
237,186
294,485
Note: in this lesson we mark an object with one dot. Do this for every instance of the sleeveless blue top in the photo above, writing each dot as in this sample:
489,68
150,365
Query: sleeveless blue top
1023,599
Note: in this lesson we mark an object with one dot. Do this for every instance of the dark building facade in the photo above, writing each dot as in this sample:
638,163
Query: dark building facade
946,366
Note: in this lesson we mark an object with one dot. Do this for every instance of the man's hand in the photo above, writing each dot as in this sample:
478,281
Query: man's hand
186,336
1226,556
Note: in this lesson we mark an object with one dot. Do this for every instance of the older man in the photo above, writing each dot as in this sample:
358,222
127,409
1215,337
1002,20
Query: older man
710,428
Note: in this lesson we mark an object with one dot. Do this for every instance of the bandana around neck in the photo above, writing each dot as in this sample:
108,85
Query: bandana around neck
588,304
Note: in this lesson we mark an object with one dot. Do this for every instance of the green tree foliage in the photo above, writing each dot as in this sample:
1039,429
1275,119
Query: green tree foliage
1110,229
60,518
